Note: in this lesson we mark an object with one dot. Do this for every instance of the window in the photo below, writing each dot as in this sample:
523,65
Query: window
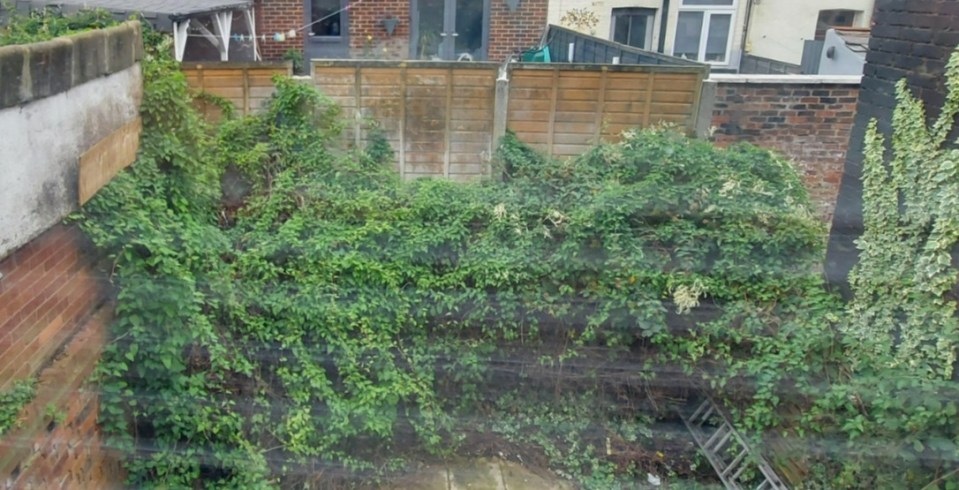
633,26
325,14
703,30
833,18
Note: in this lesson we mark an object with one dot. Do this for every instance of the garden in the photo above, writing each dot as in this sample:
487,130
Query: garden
289,313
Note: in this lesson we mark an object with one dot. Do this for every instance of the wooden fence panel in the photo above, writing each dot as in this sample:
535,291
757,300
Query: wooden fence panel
247,85
563,109
439,117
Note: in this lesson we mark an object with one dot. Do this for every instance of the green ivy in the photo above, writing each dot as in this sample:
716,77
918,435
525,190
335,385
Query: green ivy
896,396
13,400
285,302
46,24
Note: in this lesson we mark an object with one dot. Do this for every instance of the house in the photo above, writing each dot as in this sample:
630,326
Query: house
247,30
401,29
730,35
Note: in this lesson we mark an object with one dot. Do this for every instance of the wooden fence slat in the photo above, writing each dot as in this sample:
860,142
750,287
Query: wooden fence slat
550,133
449,120
402,135
647,109
601,106
246,91
358,115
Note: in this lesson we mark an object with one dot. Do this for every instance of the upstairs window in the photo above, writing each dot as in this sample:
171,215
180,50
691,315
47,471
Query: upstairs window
633,26
704,30
834,18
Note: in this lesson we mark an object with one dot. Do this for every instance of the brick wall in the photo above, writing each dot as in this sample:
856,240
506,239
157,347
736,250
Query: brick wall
368,37
48,288
52,325
279,16
910,39
514,32
509,32
808,122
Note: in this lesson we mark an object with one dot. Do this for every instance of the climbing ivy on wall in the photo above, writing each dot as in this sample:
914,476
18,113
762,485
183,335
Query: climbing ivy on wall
898,393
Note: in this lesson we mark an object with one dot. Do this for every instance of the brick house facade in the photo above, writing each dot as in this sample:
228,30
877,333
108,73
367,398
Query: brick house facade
421,29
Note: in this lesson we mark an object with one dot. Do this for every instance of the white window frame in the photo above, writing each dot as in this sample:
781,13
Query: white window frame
651,15
708,12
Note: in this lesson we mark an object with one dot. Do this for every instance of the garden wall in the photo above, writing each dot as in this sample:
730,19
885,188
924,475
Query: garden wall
69,115
57,100
912,40
806,118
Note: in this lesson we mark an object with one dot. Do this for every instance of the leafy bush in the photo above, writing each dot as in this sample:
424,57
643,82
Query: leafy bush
283,302
47,24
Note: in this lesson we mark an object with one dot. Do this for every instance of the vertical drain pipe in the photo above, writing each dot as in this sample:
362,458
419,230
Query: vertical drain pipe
663,21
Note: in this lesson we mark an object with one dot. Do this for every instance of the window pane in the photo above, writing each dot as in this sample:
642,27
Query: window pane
689,28
718,36
637,31
707,2
329,12
833,18
469,29
430,29
621,29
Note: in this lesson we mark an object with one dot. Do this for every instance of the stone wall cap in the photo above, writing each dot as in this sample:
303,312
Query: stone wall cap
787,79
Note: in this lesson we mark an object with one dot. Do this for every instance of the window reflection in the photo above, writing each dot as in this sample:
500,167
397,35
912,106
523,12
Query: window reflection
325,14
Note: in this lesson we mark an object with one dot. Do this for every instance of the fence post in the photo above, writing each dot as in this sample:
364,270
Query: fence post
500,111
704,117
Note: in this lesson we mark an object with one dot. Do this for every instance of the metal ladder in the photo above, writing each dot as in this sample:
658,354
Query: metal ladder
727,451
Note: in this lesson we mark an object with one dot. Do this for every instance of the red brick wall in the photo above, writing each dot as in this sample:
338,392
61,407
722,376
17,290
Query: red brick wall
274,16
48,287
63,448
808,123
514,32
368,37
52,325
509,32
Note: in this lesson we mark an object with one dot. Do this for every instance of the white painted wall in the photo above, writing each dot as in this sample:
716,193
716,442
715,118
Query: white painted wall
779,28
42,144
603,10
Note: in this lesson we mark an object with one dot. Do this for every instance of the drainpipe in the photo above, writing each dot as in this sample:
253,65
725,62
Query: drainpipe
749,16
663,19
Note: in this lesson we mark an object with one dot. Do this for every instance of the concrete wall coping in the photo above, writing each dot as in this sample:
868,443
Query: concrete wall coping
786,79
34,71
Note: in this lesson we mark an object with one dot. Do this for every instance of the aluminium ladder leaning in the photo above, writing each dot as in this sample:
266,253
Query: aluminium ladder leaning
738,466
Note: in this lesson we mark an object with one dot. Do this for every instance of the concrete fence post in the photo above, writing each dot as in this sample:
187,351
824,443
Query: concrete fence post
707,102
500,111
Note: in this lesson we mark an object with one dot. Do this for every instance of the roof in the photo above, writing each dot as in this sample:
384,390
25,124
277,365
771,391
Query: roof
856,39
174,9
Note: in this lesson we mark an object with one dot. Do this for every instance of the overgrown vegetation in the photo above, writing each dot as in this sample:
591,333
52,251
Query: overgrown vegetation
13,400
46,24
290,313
